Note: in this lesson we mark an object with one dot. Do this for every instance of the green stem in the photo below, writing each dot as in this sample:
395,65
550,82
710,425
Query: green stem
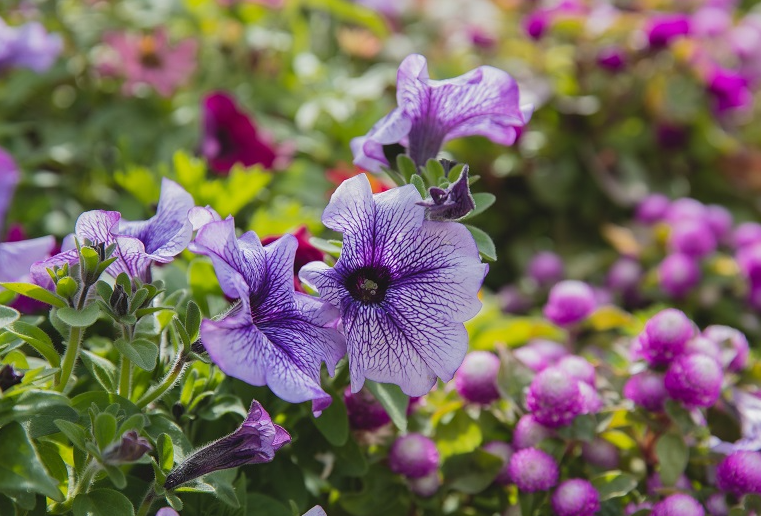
82,486
125,377
70,357
145,506
166,383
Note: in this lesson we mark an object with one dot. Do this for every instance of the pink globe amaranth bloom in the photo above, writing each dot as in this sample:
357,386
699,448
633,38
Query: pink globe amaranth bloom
652,209
733,343
529,432
717,505
229,136
414,456
654,483
720,220
711,22
532,469
749,261
476,379
612,59
569,302
648,390
624,275
678,504
577,367
665,335
686,209
591,402
505,452
539,354
746,233
662,29
150,60
740,473
546,268
536,23
703,346
425,486
554,398
678,274
600,453
691,239
576,497
365,412
695,380
730,90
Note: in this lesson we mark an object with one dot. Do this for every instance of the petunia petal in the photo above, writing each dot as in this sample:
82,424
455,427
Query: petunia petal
16,258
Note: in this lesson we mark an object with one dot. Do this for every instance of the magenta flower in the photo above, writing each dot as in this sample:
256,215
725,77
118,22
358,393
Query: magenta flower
652,209
695,380
365,412
9,178
678,504
414,456
532,469
678,274
484,102
274,336
150,60
554,398
576,497
664,28
230,136
476,379
569,302
546,268
730,90
28,46
529,432
404,286
648,390
254,442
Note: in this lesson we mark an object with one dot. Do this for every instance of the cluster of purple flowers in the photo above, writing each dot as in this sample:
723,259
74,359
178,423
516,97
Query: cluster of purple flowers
28,46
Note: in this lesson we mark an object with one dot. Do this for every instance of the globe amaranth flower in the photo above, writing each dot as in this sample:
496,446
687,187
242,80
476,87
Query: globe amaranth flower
665,336
648,390
482,102
229,136
720,221
9,178
678,504
529,432
749,261
662,29
365,412
611,58
476,379
138,243
600,453
624,275
274,336
532,469
730,90
413,455
576,497
733,344
686,209
546,268
425,486
691,239
577,367
678,274
505,452
740,473
403,285
569,302
539,354
28,46
655,485
717,504
695,380
149,60
746,233
254,442
652,209
554,398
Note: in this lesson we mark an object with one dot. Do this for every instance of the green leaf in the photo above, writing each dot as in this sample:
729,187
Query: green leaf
8,315
350,459
460,434
472,472
333,423
326,246
116,476
393,400
165,452
105,429
103,502
75,433
673,454
418,183
104,291
263,505
38,339
142,352
38,410
21,468
138,298
434,171
36,292
614,484
102,370
483,201
102,400
406,167
193,320
484,242
80,318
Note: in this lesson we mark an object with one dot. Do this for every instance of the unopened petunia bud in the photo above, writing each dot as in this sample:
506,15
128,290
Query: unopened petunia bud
119,300
129,449
9,377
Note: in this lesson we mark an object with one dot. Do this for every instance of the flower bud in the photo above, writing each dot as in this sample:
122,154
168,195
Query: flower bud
529,432
119,300
414,456
576,497
720,221
476,379
717,505
532,470
652,208
686,210
9,377
691,239
665,336
678,274
546,269
569,302
624,275
129,449
66,287
577,367
365,412
648,390
425,486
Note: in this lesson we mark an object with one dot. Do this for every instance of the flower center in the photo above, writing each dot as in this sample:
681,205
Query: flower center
149,56
368,285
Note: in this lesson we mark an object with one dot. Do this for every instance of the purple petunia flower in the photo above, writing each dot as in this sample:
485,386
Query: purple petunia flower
274,336
482,102
230,136
404,286
9,178
255,441
16,258
28,46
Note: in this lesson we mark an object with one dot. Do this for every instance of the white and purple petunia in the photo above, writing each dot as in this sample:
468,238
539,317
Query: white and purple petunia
138,244
404,286
274,336
484,102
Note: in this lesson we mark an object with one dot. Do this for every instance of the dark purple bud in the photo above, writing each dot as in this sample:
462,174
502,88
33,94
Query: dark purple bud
624,276
129,449
546,269
717,505
9,377
119,300
612,59
536,24
414,456
749,261
365,412
451,204
254,442
476,379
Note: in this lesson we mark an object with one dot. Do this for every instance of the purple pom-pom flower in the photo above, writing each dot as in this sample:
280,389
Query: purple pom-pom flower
404,286
476,379
678,504
365,412
539,354
652,208
482,102
747,233
546,268
554,398
678,274
414,456
648,390
733,344
665,336
664,28
740,473
570,302
273,336
532,469
691,239
600,453
529,432
576,497
695,380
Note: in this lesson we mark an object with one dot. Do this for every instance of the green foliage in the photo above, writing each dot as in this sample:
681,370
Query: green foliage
393,400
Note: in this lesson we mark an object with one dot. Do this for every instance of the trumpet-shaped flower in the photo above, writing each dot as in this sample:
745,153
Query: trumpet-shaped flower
274,336
255,441
484,101
404,286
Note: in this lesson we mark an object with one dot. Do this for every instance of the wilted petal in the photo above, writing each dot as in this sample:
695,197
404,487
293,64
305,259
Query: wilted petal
16,258
167,233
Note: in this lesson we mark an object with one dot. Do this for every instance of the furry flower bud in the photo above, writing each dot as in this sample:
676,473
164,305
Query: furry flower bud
695,380
554,398
569,302
740,473
414,456
533,470
576,497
